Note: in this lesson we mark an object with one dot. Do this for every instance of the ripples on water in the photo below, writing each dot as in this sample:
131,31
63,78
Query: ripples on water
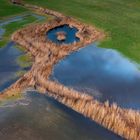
103,72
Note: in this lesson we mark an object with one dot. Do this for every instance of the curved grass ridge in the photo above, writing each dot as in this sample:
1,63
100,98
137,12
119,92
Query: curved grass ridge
124,122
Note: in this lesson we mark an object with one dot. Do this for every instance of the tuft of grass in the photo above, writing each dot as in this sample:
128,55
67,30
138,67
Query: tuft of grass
24,60
12,97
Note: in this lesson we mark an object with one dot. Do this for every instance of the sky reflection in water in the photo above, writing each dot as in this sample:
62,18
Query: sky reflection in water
103,72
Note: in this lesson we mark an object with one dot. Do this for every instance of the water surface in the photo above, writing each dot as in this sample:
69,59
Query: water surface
104,73
41,118
38,117
8,65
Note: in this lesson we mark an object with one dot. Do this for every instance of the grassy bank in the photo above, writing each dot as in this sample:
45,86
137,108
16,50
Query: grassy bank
24,60
8,9
120,19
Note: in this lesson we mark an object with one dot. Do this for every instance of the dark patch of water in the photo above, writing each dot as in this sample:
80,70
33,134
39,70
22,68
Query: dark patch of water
70,34
46,119
104,73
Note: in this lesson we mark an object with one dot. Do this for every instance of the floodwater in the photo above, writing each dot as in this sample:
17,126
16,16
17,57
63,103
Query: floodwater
38,117
70,34
103,73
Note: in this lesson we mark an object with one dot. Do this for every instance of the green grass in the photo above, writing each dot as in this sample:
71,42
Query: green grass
8,9
24,61
8,99
120,19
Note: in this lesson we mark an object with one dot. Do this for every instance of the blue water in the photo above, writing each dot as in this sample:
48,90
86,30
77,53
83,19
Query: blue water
38,117
8,65
103,73
70,34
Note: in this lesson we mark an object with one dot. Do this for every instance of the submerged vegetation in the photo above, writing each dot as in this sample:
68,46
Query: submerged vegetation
16,95
119,19
24,61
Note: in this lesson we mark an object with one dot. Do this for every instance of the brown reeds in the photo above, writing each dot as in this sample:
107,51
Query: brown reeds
124,122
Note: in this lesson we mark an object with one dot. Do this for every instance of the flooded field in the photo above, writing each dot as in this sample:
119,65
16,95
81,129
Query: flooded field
37,117
104,73
9,54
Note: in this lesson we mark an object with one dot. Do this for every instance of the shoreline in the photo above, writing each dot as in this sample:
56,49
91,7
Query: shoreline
124,122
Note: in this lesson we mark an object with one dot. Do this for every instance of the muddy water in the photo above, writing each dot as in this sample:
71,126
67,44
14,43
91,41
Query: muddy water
38,117
104,73
70,34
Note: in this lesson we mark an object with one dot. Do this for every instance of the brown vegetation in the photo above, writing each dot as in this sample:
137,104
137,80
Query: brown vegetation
61,36
124,122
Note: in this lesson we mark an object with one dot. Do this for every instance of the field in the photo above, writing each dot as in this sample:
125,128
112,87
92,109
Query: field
119,19
8,9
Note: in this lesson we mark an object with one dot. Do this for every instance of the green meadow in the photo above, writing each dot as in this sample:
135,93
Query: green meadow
8,9
120,19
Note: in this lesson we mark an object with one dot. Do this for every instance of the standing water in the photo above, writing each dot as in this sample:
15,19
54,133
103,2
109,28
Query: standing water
37,117
41,118
104,73
8,65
